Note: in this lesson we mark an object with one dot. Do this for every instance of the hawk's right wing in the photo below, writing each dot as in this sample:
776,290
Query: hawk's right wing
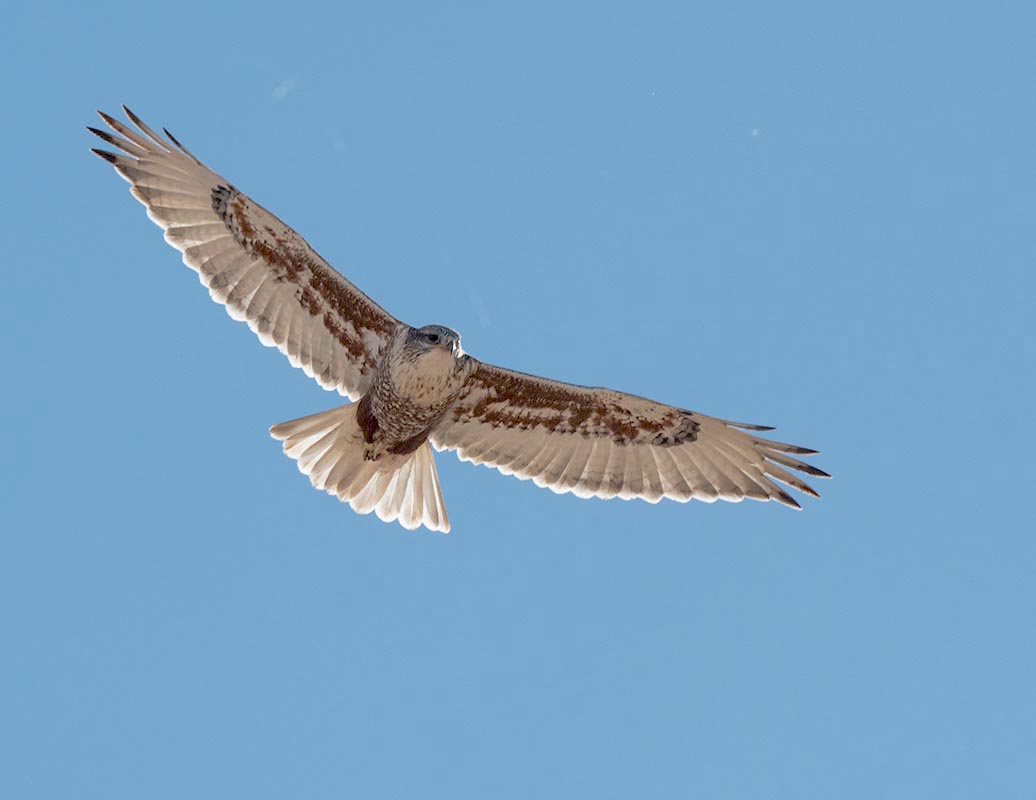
251,262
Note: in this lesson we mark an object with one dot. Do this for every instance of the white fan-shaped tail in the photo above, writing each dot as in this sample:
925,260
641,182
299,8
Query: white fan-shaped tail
328,448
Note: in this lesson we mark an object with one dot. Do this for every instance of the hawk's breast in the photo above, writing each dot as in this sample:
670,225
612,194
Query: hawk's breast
431,380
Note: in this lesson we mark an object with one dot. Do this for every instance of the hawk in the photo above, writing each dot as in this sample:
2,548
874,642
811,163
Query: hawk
415,388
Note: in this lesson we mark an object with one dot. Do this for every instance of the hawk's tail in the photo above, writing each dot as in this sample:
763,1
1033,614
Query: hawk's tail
329,449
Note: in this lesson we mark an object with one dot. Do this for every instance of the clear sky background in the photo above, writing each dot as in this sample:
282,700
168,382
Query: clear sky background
813,215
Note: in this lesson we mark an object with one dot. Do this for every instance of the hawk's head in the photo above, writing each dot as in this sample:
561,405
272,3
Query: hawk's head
434,337
427,367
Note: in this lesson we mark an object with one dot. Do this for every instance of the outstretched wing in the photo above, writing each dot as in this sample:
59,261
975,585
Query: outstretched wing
251,262
598,442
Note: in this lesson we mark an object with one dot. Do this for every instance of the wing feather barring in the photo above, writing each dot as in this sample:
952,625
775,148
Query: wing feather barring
415,388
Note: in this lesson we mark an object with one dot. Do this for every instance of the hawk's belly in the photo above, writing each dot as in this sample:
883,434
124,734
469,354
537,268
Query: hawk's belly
407,401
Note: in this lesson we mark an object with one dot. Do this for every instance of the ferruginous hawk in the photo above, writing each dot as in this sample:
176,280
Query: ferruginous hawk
415,387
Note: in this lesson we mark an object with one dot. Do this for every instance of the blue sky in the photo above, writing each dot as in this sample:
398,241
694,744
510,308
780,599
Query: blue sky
813,215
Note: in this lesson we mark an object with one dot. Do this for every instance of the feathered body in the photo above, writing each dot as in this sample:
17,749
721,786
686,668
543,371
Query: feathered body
415,387
418,380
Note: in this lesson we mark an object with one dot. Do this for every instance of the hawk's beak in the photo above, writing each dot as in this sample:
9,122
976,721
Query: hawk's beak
456,349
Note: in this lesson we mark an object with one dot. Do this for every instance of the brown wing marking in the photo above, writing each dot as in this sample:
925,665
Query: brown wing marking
505,398
345,311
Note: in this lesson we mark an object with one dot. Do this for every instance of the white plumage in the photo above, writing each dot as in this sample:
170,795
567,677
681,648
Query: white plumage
328,448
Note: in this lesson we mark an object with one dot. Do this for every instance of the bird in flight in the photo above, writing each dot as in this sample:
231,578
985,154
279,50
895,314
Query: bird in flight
415,388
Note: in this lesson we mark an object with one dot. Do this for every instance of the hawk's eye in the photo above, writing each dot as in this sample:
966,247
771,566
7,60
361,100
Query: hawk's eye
433,338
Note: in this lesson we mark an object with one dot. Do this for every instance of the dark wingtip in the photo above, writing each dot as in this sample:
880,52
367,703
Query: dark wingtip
111,158
106,117
102,135
787,499
748,426
133,117
172,138
809,469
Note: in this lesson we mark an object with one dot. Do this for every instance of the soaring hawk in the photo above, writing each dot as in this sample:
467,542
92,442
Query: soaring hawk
416,388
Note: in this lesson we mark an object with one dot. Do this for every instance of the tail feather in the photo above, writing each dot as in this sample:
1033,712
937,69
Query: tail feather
328,448
380,486
434,508
365,499
401,483
342,475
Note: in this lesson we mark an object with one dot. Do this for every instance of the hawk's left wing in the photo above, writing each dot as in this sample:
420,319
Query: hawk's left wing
251,262
603,443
